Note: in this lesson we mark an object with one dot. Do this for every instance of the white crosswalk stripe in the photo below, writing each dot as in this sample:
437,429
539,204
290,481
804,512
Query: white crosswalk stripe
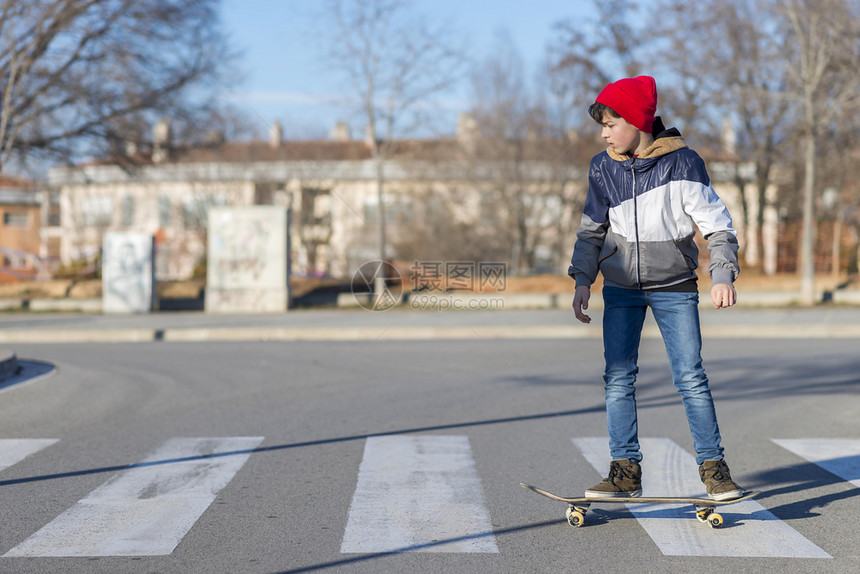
418,493
837,456
672,471
147,509
415,493
14,450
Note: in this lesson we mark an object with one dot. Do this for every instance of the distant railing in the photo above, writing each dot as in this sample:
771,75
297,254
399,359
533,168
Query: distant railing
25,266
20,265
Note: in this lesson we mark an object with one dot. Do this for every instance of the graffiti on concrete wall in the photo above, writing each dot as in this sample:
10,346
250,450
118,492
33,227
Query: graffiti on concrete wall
247,259
127,278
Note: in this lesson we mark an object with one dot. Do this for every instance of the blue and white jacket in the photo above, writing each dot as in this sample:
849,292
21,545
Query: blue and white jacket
637,225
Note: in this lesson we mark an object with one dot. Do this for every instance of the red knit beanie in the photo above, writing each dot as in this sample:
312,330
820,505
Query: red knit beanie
635,100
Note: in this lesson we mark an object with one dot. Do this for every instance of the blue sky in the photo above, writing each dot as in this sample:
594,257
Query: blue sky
282,58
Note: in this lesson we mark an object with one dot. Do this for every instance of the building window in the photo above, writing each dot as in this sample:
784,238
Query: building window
397,209
97,211
16,219
127,211
53,209
195,208
164,209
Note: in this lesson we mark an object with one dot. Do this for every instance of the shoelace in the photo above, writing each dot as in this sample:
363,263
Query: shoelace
616,470
716,474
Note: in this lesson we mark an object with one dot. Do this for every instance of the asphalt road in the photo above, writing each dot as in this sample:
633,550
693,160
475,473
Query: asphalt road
304,488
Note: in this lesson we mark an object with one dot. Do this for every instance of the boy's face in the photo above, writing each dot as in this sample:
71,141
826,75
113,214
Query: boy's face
620,135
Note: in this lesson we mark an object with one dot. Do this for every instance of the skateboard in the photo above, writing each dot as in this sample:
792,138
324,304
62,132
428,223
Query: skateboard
705,507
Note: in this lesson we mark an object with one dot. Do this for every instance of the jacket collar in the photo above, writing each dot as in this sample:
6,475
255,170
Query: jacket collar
666,142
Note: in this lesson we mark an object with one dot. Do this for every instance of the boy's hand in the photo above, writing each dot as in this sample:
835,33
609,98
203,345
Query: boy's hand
580,302
723,295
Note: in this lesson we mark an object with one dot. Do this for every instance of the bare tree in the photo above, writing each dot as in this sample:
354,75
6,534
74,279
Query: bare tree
587,57
396,64
443,228
733,70
823,63
527,192
90,75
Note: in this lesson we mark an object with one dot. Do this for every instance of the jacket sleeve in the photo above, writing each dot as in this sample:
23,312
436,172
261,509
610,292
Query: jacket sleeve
711,216
592,231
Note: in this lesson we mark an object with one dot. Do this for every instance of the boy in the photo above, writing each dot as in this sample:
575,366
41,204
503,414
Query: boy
645,192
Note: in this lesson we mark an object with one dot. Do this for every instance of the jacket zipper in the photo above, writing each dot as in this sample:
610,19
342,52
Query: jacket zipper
636,223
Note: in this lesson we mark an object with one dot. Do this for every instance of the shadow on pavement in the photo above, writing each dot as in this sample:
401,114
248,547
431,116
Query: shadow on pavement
287,446
27,372
413,548
805,476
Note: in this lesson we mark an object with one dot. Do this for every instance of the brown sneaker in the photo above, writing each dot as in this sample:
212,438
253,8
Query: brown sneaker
624,480
718,480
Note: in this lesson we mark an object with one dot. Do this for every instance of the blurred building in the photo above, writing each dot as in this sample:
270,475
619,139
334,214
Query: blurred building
29,232
330,185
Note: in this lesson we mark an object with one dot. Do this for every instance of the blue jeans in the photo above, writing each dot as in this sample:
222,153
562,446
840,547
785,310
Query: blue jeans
677,316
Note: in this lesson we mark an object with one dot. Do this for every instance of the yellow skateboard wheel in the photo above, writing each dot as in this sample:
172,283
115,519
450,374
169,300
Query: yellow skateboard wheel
715,520
574,517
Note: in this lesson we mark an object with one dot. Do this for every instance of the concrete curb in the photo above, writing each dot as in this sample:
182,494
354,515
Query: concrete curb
395,334
465,301
432,301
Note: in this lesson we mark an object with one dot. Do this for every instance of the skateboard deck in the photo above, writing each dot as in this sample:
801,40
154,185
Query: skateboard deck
578,506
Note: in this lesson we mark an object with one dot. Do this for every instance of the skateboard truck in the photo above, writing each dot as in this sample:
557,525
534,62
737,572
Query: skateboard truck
575,513
577,507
